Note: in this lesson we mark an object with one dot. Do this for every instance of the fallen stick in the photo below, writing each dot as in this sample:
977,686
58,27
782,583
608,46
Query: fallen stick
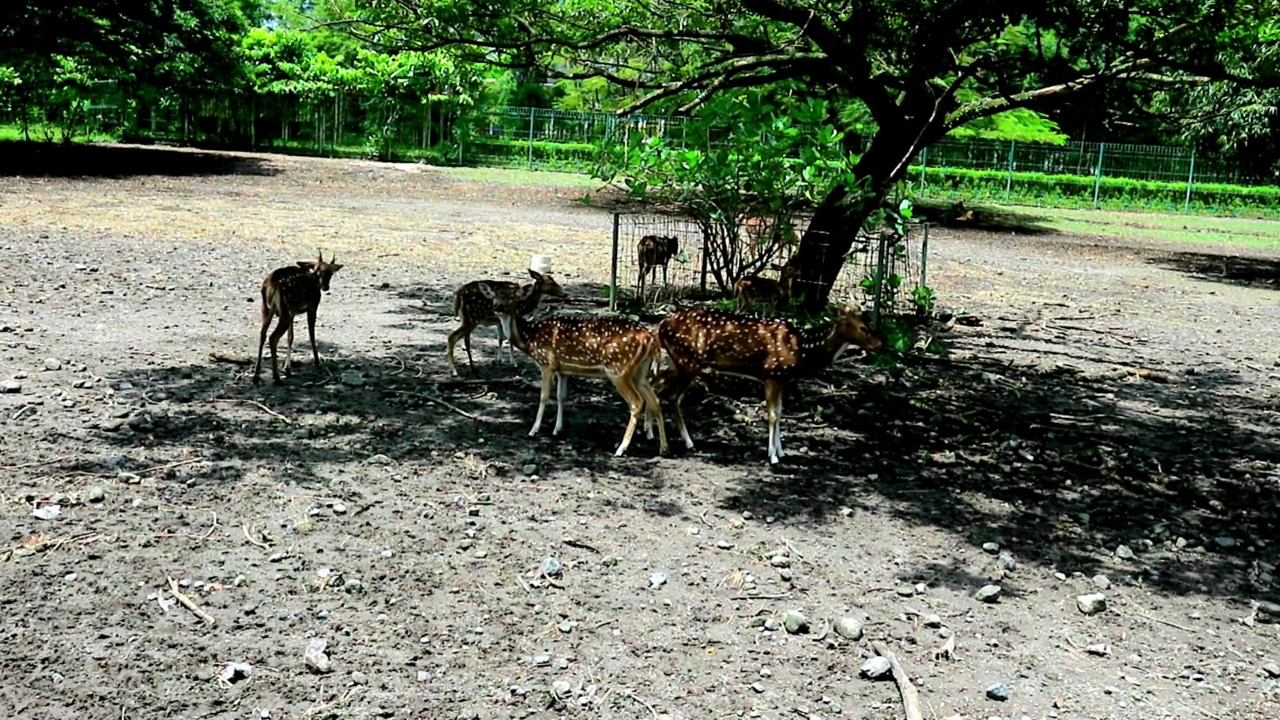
228,358
910,697
449,405
170,466
249,536
188,603
647,706
258,405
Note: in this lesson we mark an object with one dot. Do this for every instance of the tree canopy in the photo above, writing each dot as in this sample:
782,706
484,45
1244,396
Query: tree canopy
918,69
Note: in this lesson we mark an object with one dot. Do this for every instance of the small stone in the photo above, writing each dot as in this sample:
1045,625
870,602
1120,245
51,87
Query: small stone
10,386
1102,582
757,687
1006,562
315,658
95,494
876,668
998,692
339,509
1226,542
991,548
351,379
1060,577
933,621
1272,670
989,593
724,545
52,364
47,512
359,678
379,459
906,590
551,567
235,672
780,561
423,676
1099,649
849,628
1092,604
561,689
529,469
795,622
1123,552
657,580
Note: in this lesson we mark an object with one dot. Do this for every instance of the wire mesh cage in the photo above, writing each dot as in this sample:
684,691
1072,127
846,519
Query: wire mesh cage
881,270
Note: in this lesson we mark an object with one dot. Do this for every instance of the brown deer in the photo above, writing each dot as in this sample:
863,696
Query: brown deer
757,228
656,251
756,290
475,308
288,292
624,351
772,351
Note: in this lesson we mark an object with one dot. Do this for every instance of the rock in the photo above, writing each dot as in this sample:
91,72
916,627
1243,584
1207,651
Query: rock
359,678
1272,670
906,590
339,509
551,567
849,628
1102,582
989,593
657,580
423,676
998,692
724,545
795,622
780,561
52,364
529,469
315,658
876,668
1099,649
561,689
1092,604
991,548
932,621
757,687
351,378
10,386
1123,552
1060,576
235,672
95,494
1226,542
49,512
379,459
1006,562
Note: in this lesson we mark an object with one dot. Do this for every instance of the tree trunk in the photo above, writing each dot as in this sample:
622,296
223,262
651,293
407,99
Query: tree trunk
840,217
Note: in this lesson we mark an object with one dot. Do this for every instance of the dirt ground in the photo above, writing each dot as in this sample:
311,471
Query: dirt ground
1109,426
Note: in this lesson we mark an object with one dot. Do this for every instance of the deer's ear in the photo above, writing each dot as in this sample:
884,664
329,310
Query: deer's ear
526,292
333,267
487,291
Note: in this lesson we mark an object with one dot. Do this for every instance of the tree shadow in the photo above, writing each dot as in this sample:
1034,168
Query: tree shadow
68,160
980,217
1223,268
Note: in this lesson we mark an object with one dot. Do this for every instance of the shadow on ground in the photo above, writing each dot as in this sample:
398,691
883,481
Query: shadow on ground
40,159
1229,269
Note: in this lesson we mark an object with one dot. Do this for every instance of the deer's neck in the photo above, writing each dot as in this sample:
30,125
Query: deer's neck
520,330
819,347
529,303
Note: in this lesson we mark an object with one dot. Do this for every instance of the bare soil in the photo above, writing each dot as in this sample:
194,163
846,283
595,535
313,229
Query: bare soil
1114,413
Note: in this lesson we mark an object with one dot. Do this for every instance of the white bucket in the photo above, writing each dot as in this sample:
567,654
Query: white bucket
540,264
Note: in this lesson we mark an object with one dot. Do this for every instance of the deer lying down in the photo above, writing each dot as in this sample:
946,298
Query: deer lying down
624,351
475,308
755,290
772,351
288,292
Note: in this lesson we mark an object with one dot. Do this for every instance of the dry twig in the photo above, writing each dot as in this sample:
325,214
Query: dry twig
445,403
910,697
248,535
188,603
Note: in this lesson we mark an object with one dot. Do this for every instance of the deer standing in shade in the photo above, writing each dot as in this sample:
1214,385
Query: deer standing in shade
756,290
772,351
653,252
288,292
475,309
624,351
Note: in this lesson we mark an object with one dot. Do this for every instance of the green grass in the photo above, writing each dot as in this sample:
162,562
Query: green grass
1187,229
13,133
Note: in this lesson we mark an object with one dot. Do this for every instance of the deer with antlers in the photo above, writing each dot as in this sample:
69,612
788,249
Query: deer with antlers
772,351
755,290
288,292
475,308
656,251
624,351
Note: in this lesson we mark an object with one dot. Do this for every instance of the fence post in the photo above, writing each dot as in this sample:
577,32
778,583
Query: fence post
924,255
880,267
1191,177
1008,183
703,253
531,116
613,267
924,165
1097,175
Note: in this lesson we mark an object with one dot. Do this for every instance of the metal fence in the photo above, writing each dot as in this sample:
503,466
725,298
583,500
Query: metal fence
880,272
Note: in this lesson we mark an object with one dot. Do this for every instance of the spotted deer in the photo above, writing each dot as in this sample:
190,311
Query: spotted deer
288,292
656,251
475,309
772,351
755,290
624,351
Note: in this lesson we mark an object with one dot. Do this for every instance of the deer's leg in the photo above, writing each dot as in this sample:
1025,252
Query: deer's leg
311,333
267,314
463,331
773,409
679,380
285,325
288,350
626,387
562,391
653,407
548,376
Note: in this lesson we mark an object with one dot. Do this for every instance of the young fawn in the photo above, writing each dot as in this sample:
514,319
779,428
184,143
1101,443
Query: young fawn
475,308
772,351
655,251
621,350
754,290
288,292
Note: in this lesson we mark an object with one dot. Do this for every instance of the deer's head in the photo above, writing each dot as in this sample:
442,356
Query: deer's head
852,327
321,269
545,284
